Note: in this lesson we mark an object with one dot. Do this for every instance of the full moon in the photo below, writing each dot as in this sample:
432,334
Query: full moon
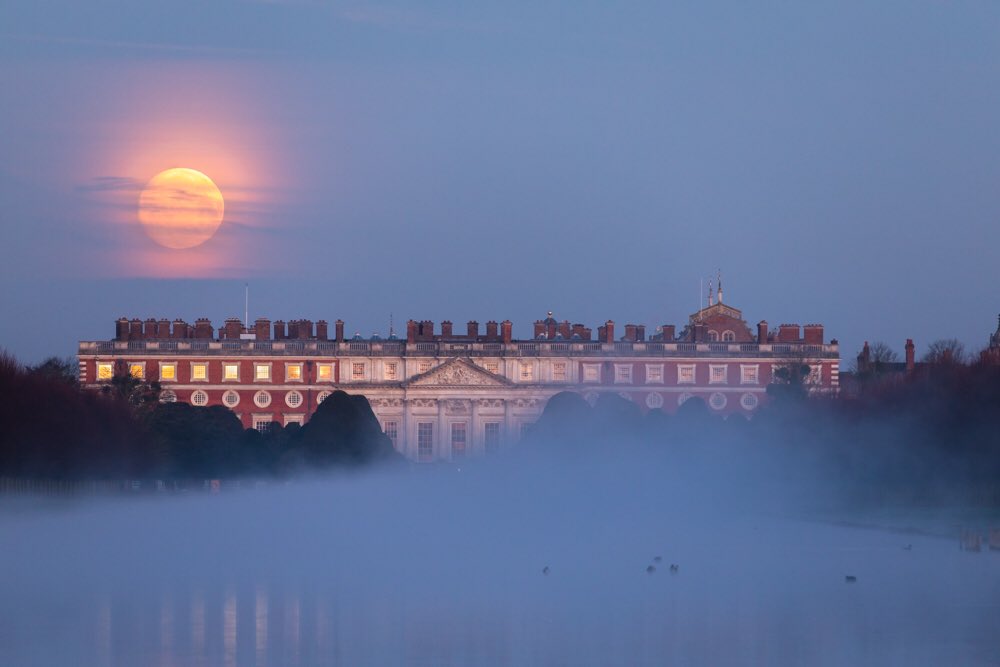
181,208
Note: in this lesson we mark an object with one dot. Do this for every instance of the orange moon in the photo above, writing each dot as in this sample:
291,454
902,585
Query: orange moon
181,208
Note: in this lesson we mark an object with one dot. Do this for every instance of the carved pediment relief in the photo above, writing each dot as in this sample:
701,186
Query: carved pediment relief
457,373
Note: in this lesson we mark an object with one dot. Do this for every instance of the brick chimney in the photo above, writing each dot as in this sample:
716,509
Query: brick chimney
492,330
446,328
121,328
578,330
630,333
322,330
149,330
564,329
231,329
539,329
812,334
305,329
762,331
910,355
163,329
507,331
280,331
411,332
203,328
472,329
338,330
789,333
609,332
668,332
135,329
262,327
180,329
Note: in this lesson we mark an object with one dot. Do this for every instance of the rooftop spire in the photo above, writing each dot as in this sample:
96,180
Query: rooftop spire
711,298
720,285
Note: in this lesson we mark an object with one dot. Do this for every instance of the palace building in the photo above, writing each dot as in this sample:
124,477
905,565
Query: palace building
442,394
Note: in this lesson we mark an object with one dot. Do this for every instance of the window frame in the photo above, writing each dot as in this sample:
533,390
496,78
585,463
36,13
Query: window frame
289,365
202,365
266,366
712,368
681,368
226,365
659,370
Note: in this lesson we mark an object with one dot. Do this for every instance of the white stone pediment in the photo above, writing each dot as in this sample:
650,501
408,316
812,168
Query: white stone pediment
457,373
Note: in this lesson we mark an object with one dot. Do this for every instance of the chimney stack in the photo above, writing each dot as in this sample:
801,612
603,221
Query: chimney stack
262,328
609,332
762,331
507,331
280,330
446,329
411,332
338,330
472,329
910,355
492,330
322,330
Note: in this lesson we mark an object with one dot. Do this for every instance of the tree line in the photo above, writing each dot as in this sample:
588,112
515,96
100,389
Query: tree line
51,428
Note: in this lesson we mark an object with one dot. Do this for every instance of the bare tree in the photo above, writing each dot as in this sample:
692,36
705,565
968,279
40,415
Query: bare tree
881,353
945,351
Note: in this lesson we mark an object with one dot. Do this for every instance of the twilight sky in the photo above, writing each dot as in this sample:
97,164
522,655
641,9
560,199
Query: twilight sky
839,161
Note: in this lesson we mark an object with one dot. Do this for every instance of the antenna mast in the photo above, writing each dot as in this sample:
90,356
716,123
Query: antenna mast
246,306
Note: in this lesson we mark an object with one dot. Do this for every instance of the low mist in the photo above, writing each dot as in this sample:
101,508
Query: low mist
548,555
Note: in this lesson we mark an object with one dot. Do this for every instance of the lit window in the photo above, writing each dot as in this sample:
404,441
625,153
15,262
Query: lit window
559,371
199,372
293,399
654,373
262,399
391,370
458,439
685,374
293,372
105,371
527,371
491,437
591,372
729,336
391,430
623,373
324,372
168,372
425,441
492,367
231,399
358,370
138,370
423,366
199,398
262,372
230,371
749,374
718,374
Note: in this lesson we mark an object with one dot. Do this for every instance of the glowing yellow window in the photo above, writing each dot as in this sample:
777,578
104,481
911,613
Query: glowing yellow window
262,372
324,372
199,371
293,372
168,371
105,371
230,371
137,370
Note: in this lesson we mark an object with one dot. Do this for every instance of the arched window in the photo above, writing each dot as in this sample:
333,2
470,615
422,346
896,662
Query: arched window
713,335
729,336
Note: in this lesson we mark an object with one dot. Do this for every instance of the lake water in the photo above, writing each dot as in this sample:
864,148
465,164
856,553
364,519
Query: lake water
416,570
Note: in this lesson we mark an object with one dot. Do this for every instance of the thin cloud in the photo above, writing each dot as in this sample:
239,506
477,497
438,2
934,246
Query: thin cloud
111,184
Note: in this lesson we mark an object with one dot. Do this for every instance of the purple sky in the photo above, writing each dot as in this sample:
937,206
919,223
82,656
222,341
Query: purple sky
840,162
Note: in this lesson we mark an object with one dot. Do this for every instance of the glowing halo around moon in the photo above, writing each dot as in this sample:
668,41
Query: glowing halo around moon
181,208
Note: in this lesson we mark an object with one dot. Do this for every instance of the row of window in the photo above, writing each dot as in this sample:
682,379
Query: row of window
262,371
686,373
231,399
459,438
